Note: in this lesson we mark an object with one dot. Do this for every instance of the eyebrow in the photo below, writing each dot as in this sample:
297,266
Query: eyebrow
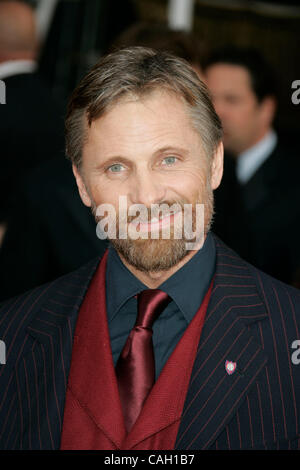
171,149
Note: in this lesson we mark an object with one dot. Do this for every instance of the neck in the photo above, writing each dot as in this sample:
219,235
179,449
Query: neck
155,279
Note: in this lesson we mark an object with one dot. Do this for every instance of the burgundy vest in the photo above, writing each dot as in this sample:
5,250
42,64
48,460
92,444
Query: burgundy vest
93,418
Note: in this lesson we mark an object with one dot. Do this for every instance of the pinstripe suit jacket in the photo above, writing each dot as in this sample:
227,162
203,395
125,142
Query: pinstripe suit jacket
252,319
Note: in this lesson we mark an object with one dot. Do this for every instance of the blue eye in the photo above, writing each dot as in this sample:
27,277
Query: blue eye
116,168
170,160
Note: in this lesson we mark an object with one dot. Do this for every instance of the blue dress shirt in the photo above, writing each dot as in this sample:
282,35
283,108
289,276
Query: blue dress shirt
186,287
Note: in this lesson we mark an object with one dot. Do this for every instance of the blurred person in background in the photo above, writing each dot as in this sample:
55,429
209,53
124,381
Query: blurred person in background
31,124
44,229
243,89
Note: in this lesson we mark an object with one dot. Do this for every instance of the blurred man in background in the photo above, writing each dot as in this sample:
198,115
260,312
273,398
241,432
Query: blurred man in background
45,230
29,118
244,95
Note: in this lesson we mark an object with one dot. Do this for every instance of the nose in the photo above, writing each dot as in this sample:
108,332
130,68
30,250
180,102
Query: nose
147,188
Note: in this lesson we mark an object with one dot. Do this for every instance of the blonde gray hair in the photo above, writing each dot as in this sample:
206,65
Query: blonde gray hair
136,72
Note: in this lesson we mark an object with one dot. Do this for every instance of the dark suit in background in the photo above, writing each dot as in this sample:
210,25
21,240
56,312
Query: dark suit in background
31,132
270,201
229,221
51,231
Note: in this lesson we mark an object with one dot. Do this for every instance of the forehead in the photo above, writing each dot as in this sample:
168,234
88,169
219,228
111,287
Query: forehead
229,77
154,119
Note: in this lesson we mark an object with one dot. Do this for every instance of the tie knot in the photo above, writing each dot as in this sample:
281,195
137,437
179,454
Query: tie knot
151,303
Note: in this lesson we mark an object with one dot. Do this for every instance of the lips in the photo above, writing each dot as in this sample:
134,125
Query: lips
155,223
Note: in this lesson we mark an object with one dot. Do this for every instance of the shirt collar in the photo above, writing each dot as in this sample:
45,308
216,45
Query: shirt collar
16,67
250,160
189,284
186,287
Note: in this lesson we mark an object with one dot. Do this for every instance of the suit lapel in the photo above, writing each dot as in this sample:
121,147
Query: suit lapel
42,374
213,395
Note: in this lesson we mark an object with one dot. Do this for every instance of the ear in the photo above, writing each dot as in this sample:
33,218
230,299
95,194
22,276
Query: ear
217,166
81,187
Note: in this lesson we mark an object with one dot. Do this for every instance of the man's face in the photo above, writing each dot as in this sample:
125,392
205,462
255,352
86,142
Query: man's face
147,150
244,119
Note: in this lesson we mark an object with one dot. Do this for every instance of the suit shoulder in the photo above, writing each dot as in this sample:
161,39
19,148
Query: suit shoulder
277,295
23,307
268,281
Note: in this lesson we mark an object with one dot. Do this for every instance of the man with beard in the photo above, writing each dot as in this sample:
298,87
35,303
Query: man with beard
165,342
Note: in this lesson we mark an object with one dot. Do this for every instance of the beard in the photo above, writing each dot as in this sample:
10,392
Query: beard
155,255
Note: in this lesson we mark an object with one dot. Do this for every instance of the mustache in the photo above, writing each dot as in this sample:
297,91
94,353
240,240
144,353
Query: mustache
163,209
144,214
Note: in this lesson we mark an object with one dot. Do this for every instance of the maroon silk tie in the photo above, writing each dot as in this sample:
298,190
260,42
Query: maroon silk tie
135,368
